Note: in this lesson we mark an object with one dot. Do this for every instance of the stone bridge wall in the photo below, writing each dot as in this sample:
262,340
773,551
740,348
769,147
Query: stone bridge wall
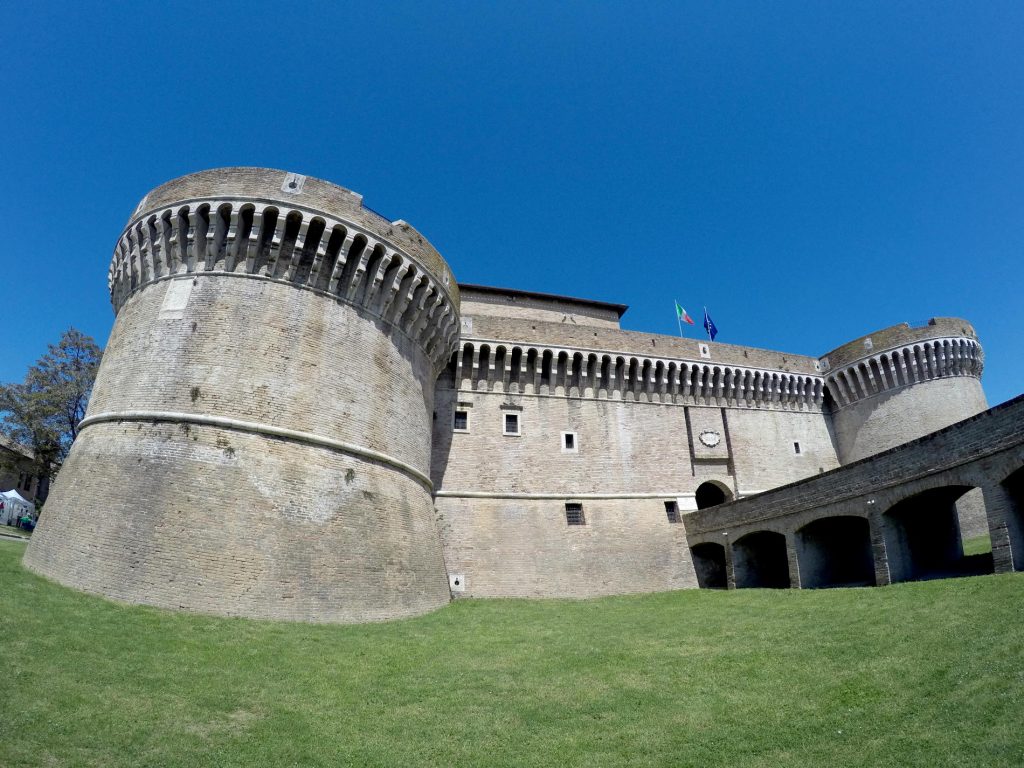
980,452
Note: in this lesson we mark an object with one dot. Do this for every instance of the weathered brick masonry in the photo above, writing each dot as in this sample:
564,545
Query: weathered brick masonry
273,429
984,452
258,440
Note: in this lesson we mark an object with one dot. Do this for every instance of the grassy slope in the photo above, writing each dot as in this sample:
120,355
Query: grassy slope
925,674
977,545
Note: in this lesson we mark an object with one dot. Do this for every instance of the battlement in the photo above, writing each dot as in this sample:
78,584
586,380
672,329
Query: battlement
279,226
543,307
372,439
901,355
497,366
896,336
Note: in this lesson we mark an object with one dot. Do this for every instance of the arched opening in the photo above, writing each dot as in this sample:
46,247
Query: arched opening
515,369
310,245
709,564
923,541
835,552
292,224
1014,487
711,494
973,520
239,253
759,560
483,368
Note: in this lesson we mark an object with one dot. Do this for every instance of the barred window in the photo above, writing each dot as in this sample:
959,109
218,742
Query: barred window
574,514
672,511
511,424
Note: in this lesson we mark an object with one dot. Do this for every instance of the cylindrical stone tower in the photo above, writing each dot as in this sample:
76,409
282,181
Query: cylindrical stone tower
258,439
901,383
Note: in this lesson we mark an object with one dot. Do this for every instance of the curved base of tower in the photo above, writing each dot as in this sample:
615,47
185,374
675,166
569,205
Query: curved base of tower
891,418
226,522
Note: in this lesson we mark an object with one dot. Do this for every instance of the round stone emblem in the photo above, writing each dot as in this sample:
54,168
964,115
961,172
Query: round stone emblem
710,438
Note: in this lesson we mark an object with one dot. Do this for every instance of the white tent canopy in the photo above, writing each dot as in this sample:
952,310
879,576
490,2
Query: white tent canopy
15,505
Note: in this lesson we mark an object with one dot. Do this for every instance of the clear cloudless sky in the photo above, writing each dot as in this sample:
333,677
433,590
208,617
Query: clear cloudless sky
811,172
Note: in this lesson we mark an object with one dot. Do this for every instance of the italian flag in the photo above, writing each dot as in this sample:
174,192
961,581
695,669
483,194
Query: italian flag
681,314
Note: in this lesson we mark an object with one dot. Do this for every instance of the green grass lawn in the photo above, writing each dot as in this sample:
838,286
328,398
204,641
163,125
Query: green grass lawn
977,545
10,530
928,674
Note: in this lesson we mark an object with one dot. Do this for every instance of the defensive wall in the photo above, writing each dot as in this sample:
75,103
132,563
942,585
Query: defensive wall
902,382
652,420
655,420
300,414
258,438
890,517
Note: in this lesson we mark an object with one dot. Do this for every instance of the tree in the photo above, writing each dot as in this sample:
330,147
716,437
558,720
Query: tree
43,413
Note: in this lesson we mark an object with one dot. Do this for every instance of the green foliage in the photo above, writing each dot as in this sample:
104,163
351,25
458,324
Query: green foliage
926,674
43,412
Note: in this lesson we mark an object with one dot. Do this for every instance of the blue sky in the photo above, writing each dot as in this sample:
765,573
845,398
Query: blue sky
809,171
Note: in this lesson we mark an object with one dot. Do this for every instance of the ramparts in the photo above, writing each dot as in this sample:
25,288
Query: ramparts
258,440
294,419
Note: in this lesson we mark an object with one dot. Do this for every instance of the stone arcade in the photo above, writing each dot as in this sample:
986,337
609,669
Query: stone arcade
301,415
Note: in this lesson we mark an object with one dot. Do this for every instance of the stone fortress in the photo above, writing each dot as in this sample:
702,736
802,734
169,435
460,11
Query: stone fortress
301,414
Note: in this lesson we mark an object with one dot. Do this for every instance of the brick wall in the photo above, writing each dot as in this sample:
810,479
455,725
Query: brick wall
178,514
504,541
995,430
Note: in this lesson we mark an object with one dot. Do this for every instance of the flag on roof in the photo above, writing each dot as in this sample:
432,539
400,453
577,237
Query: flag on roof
681,315
709,325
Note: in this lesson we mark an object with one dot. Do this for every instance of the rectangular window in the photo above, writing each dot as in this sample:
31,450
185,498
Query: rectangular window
511,424
461,421
574,514
570,443
796,447
672,511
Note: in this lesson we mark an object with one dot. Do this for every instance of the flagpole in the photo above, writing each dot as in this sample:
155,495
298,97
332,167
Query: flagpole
679,322
707,325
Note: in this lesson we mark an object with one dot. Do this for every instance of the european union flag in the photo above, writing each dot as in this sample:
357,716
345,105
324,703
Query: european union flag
709,325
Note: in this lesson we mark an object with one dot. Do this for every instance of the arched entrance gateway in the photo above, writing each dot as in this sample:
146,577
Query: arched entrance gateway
835,552
711,494
1014,489
759,560
709,565
922,537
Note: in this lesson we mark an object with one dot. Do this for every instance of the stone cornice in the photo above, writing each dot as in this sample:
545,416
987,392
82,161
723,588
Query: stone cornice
265,430
287,242
901,366
504,366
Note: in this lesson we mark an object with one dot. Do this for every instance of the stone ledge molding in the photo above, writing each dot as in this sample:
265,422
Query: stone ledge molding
901,366
553,496
264,430
527,369
571,496
290,243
